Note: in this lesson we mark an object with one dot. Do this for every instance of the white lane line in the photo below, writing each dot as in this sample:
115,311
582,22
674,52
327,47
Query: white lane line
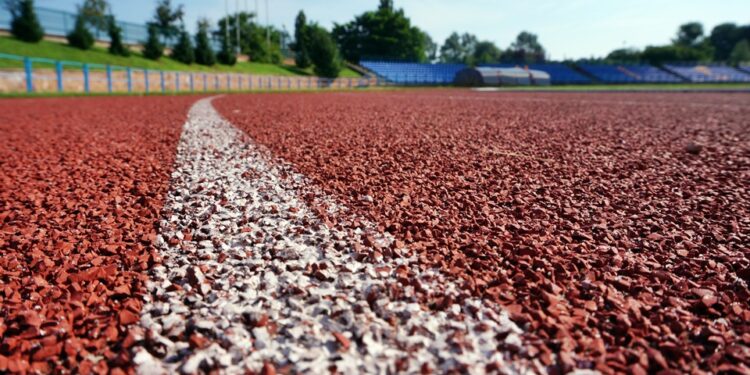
252,277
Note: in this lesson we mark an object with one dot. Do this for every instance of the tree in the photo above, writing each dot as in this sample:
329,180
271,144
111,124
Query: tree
226,54
624,56
153,48
485,52
115,38
323,53
24,24
384,33
167,19
459,48
724,38
301,31
183,50
525,49
740,52
204,54
430,48
252,37
80,36
689,34
94,13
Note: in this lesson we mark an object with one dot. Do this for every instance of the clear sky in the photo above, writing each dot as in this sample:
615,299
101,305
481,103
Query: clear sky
566,28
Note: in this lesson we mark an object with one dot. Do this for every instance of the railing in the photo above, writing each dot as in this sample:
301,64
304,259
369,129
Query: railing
40,75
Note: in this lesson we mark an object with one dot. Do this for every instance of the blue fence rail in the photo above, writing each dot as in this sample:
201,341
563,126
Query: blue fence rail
41,75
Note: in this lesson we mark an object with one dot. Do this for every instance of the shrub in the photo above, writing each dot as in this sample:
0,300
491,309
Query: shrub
204,54
323,53
183,51
115,36
153,49
25,24
80,36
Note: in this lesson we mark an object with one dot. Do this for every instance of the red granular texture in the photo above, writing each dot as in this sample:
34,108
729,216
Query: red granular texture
614,228
82,182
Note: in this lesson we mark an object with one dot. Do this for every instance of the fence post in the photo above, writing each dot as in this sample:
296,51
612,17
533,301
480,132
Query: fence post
177,81
205,82
250,82
229,81
109,78
130,79
86,78
192,86
145,77
59,71
239,82
161,75
216,82
29,75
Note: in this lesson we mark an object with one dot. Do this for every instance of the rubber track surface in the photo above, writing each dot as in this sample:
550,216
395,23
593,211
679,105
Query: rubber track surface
81,188
613,227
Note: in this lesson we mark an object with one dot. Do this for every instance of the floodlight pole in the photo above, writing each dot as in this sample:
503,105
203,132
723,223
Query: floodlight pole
237,25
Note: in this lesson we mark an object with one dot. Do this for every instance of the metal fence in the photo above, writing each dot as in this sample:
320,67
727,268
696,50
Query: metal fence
40,75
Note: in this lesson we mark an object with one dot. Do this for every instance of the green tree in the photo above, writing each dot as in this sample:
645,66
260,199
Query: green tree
115,38
167,19
624,56
80,36
95,14
204,54
485,52
226,54
24,23
183,51
323,53
526,48
689,34
301,31
723,38
384,33
430,48
452,51
740,52
153,48
252,37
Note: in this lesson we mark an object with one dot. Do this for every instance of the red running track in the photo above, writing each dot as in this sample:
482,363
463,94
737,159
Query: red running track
82,183
593,218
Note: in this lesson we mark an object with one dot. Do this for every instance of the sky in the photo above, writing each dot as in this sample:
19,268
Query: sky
568,29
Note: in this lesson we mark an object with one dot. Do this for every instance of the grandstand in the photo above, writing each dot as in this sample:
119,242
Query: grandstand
745,68
709,73
560,74
414,73
629,73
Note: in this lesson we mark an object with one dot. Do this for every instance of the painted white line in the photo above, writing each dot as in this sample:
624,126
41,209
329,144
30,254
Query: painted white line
251,276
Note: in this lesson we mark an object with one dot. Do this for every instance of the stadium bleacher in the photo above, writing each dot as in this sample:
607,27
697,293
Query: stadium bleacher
560,74
629,73
745,68
709,73
413,73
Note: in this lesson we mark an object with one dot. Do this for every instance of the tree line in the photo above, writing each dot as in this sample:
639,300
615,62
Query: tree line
727,42
260,43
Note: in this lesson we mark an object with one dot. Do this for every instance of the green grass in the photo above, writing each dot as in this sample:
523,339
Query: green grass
99,55
636,87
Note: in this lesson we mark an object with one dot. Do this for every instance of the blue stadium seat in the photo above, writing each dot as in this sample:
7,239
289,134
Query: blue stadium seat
414,73
629,73
560,74
710,73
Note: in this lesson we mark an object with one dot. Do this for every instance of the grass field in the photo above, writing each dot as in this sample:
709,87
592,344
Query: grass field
99,55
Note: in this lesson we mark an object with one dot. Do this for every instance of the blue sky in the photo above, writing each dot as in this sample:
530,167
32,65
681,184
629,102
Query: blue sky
566,28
